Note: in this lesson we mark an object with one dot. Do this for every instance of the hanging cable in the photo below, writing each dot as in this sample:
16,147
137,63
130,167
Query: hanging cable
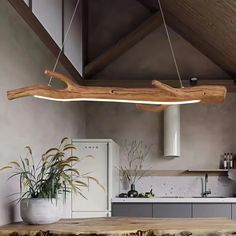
170,44
64,40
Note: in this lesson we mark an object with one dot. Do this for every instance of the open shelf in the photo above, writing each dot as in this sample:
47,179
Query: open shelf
189,172
207,170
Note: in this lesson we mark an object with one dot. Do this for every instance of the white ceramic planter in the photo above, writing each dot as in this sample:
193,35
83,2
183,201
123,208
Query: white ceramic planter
38,211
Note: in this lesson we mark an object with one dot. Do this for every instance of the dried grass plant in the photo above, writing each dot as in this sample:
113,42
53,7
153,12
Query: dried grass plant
56,173
136,153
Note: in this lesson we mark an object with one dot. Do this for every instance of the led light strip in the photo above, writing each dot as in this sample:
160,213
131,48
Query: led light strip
117,100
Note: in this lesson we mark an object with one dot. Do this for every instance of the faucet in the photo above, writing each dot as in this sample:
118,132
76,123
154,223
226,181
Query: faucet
205,192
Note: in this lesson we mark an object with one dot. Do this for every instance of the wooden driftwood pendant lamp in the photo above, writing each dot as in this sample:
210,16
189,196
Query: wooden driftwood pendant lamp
150,99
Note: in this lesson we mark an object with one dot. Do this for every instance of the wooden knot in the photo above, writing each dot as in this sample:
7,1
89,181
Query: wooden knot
184,233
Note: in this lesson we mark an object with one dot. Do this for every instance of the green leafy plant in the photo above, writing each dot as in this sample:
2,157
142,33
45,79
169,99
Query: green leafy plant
54,174
136,153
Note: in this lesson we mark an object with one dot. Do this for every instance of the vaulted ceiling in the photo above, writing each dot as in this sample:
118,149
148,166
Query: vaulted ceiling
208,25
125,44
126,39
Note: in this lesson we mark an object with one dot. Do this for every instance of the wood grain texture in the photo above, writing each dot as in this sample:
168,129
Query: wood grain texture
151,108
152,5
123,45
210,26
162,93
126,226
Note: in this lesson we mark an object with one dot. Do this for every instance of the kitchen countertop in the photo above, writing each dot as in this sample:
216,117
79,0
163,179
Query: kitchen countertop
119,226
176,200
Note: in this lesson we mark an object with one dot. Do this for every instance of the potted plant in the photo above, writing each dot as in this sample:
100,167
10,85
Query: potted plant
135,153
42,184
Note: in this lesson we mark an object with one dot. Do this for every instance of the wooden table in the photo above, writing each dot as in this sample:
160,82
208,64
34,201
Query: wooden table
125,227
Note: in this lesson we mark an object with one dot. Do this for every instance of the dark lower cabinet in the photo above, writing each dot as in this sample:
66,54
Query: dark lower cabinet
132,209
172,210
175,210
233,211
205,210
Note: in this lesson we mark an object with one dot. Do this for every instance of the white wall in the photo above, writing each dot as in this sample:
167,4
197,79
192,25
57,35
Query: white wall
207,131
40,124
73,48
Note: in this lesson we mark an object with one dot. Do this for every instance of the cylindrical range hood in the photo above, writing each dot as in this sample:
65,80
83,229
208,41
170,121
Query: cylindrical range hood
172,131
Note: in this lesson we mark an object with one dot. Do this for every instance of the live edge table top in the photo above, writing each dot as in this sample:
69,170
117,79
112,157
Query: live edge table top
125,226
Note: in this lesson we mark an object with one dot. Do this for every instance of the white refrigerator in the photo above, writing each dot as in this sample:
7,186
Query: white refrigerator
99,158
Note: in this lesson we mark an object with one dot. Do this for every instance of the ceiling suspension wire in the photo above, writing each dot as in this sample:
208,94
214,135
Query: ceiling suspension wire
64,40
170,44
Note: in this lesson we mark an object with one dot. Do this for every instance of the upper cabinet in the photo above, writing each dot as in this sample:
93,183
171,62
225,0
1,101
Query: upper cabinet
73,47
49,13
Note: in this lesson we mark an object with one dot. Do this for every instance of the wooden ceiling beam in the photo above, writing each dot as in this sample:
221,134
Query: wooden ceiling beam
25,12
152,5
231,87
123,45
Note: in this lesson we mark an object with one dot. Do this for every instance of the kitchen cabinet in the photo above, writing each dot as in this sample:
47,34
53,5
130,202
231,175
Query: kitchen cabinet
99,158
233,211
49,13
205,210
132,209
172,210
73,47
